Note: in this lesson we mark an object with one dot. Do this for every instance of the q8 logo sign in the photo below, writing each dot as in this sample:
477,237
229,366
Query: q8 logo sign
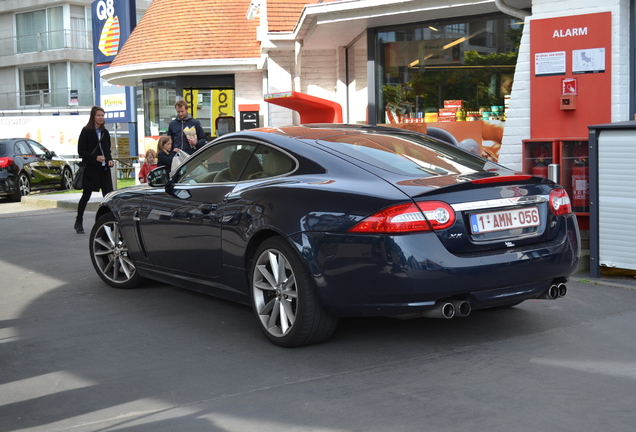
110,35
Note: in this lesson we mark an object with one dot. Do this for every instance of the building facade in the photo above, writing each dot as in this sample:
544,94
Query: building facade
47,84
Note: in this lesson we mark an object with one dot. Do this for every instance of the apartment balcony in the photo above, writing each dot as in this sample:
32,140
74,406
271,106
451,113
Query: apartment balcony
33,101
50,46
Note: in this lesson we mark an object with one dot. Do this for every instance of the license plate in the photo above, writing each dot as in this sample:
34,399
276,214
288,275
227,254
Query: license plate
503,220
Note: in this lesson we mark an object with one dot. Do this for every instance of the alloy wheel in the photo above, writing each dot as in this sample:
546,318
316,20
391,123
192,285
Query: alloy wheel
110,254
275,292
67,179
23,185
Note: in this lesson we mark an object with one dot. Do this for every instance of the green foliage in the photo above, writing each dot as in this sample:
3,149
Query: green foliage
473,58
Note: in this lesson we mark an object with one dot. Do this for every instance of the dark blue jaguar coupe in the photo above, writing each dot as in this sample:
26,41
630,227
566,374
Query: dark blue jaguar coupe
315,222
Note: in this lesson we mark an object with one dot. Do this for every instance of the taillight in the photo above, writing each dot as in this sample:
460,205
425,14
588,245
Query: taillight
403,218
560,202
439,214
5,162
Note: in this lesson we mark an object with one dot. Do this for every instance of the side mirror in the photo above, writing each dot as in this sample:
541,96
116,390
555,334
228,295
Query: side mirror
159,176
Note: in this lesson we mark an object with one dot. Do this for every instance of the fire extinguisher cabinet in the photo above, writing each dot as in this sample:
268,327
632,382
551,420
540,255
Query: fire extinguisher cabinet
538,154
612,168
575,174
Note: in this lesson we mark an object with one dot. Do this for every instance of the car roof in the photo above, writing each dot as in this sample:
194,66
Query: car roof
319,130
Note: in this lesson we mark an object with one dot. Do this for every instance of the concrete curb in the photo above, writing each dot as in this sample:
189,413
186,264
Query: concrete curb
624,283
63,201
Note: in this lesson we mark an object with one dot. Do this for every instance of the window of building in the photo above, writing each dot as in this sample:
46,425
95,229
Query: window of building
34,86
80,36
51,85
40,30
419,67
82,81
59,84
159,99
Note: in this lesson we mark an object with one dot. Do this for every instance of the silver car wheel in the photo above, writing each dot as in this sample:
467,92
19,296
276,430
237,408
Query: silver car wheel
110,254
67,179
23,185
275,293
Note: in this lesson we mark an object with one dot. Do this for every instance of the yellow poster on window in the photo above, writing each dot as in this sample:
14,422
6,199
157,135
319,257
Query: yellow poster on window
222,106
191,96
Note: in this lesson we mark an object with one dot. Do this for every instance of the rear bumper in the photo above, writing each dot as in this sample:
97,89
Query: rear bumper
362,275
7,184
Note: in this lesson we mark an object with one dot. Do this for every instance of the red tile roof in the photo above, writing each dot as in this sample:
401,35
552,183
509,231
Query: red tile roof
181,30
174,30
282,15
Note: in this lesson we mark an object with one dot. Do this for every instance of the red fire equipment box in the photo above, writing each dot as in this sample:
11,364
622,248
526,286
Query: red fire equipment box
571,157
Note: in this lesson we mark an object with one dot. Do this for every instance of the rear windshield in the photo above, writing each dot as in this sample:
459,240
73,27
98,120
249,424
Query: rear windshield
2,148
410,155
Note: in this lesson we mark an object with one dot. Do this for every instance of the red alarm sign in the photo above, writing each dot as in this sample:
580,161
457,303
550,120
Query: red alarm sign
568,86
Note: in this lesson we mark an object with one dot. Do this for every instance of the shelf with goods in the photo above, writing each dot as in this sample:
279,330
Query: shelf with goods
480,137
480,132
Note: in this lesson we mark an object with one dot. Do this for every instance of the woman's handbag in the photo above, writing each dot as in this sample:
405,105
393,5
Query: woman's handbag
78,180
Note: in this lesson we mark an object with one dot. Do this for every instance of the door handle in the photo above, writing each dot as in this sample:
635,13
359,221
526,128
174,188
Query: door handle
207,208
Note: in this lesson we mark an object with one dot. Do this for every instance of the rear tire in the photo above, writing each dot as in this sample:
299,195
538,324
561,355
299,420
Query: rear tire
109,254
23,187
283,297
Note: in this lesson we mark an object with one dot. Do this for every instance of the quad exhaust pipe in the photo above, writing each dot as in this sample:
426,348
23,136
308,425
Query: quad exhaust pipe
449,309
461,308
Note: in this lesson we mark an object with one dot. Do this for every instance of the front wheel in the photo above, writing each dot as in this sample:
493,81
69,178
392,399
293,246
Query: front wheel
67,179
109,254
283,297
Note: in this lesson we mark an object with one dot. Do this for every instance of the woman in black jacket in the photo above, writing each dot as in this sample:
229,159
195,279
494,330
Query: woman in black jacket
93,147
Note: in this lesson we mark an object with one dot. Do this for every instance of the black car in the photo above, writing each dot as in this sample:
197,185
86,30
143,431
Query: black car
26,165
310,223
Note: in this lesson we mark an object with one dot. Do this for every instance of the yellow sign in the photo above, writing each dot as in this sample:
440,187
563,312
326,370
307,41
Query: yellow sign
222,106
114,102
191,96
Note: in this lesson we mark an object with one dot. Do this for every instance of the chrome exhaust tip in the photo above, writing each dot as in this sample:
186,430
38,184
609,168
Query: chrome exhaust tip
551,293
462,308
563,290
444,310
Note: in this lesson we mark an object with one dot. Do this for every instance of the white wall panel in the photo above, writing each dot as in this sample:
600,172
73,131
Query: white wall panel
617,198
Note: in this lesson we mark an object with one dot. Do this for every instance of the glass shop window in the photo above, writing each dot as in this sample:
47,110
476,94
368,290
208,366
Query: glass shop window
435,70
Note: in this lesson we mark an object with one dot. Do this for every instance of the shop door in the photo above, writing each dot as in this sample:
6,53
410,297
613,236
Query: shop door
209,104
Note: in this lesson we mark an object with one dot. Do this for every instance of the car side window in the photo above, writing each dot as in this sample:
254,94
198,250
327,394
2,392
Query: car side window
22,149
273,162
220,163
38,149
